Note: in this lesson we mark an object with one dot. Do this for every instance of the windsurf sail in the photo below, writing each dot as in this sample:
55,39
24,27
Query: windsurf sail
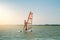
28,22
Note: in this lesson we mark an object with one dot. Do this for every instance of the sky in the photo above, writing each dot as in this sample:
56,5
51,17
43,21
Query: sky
16,11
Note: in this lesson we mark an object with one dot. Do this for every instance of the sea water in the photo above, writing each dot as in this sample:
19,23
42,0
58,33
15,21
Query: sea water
14,32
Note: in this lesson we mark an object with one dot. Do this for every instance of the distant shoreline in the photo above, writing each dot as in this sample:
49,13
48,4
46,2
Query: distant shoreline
49,25
32,25
46,25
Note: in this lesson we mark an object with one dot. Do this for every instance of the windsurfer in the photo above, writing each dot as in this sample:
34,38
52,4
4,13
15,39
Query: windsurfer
25,25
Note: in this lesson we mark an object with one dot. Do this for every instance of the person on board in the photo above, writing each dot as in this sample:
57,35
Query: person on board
25,25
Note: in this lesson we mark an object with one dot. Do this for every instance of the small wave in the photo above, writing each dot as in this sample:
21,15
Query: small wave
44,39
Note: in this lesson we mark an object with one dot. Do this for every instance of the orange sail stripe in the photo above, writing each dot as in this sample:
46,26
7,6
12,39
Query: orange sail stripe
30,16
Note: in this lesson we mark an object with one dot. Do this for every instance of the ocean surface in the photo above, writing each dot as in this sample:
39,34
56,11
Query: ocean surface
13,32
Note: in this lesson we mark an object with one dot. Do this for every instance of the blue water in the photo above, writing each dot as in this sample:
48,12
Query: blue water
38,33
